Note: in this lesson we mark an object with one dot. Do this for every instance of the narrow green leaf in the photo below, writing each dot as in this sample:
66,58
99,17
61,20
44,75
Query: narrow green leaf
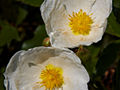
93,58
113,27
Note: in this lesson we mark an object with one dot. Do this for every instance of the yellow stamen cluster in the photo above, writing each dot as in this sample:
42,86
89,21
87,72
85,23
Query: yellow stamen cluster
52,77
80,23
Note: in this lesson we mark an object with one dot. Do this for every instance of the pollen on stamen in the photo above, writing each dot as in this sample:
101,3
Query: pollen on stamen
80,23
51,77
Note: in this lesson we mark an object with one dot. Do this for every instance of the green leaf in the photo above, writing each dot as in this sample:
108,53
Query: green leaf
94,51
37,40
93,58
108,57
35,3
7,34
21,16
113,27
89,57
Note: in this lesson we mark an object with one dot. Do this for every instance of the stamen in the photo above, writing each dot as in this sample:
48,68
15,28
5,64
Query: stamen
80,23
51,77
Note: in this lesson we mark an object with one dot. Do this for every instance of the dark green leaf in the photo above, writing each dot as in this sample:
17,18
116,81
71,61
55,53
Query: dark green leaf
93,58
89,58
21,16
7,34
37,40
35,3
113,26
107,57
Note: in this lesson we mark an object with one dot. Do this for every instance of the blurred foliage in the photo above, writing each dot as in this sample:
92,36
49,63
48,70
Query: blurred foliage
7,34
21,27
21,16
37,40
109,56
113,26
35,3
116,3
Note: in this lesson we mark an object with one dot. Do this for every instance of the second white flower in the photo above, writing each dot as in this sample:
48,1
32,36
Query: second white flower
72,23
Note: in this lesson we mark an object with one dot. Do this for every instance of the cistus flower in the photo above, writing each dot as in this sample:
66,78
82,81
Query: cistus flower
72,23
45,68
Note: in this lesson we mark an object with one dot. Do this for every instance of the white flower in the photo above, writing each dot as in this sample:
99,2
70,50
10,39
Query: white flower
45,68
71,23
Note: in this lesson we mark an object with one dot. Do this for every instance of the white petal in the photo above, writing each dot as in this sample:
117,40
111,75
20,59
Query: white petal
55,15
101,10
51,9
24,68
10,69
55,12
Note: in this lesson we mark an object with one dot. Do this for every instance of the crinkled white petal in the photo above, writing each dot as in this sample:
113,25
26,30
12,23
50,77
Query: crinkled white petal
55,14
24,69
101,10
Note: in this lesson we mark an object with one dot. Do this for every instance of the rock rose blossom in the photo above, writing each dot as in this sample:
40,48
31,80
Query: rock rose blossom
45,68
70,23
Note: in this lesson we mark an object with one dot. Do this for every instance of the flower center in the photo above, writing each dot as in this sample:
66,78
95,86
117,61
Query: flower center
80,23
52,77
